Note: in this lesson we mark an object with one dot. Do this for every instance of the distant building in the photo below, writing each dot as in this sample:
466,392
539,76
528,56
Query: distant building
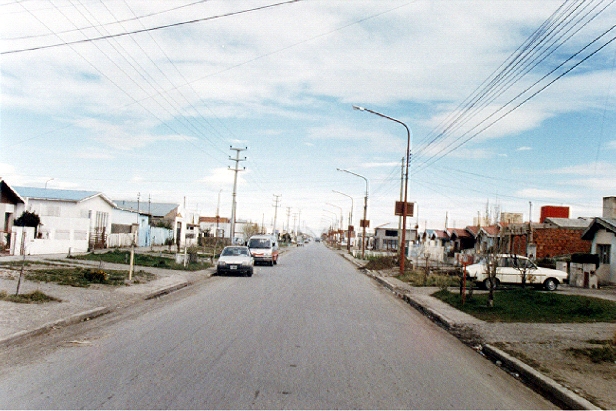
553,212
512,218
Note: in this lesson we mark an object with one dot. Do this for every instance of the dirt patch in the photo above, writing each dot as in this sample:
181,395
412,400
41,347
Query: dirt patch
556,359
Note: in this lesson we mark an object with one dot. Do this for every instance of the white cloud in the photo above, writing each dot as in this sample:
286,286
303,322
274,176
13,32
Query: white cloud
524,148
543,194
223,177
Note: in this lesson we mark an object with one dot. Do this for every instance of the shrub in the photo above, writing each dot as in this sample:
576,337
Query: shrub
97,276
381,263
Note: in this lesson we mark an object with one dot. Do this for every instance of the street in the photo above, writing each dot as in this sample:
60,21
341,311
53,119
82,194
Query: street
309,333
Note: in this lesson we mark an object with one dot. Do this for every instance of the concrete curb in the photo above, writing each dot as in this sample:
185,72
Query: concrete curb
545,385
73,319
166,290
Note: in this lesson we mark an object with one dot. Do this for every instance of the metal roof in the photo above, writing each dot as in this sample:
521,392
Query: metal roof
569,222
58,195
153,209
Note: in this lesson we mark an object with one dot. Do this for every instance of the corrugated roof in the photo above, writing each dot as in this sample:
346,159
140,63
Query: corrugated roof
57,194
568,222
154,209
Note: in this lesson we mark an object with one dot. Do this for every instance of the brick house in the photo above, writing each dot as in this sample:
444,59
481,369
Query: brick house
553,238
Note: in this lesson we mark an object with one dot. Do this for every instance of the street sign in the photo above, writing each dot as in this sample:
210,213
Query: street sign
364,223
410,209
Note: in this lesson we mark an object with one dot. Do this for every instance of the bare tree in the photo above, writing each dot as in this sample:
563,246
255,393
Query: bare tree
250,229
491,253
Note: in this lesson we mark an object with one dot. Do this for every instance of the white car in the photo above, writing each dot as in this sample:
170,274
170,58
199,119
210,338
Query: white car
510,270
235,260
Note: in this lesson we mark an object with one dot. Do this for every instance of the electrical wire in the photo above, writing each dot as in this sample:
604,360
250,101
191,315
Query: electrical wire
165,26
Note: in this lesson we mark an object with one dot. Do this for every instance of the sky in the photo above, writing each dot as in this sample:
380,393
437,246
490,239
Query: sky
510,105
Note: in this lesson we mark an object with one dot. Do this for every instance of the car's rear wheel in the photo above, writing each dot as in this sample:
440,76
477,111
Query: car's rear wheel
550,284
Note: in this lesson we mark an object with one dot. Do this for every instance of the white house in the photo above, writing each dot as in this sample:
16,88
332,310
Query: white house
9,200
71,220
602,233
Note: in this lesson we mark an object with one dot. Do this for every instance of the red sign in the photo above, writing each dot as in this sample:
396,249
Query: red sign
410,208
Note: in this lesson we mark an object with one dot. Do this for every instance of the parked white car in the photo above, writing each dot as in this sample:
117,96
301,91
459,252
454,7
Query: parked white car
512,267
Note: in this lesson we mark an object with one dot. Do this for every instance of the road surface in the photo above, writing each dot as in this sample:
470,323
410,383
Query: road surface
309,333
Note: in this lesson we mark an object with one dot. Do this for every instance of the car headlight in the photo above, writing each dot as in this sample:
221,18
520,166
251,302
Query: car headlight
246,264
221,263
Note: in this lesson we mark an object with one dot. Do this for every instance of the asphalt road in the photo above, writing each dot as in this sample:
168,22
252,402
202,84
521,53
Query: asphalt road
309,333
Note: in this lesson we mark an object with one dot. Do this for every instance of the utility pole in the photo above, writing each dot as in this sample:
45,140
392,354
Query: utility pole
401,199
276,205
217,214
288,216
236,168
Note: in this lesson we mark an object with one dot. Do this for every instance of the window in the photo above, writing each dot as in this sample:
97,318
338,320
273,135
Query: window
604,251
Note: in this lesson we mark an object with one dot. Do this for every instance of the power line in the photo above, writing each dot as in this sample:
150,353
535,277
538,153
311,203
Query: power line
134,18
166,26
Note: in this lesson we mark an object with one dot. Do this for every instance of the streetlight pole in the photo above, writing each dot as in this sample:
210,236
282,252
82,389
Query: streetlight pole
350,220
341,216
406,181
363,240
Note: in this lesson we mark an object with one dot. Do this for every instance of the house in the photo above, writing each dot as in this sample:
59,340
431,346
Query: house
602,234
555,237
460,240
9,201
386,239
129,227
165,225
486,237
214,226
71,220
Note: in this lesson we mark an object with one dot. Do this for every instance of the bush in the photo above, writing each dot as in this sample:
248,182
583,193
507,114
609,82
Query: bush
97,276
381,263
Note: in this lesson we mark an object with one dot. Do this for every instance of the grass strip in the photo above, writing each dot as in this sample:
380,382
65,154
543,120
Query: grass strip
533,306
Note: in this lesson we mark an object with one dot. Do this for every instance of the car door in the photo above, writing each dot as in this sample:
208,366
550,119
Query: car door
508,273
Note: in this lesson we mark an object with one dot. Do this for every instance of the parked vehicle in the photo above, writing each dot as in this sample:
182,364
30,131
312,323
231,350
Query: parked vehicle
264,248
512,267
235,260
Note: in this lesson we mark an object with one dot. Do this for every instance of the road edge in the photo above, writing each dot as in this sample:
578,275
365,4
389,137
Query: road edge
545,385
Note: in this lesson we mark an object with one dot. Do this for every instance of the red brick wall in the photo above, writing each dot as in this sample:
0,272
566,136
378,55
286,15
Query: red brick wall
552,242
553,212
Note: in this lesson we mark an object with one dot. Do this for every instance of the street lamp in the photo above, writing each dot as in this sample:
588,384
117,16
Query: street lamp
406,181
350,220
363,239
341,218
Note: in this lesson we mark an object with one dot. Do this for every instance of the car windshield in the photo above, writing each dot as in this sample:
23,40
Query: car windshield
232,251
259,243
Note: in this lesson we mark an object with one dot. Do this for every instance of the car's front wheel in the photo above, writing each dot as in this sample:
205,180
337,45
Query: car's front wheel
550,284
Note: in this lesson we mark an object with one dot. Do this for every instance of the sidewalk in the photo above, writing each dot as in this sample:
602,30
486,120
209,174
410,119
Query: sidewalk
19,321
484,337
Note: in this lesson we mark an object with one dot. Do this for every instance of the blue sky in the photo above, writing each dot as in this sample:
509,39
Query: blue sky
156,112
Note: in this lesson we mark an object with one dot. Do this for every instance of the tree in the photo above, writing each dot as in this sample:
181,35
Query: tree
28,219
491,254
250,229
